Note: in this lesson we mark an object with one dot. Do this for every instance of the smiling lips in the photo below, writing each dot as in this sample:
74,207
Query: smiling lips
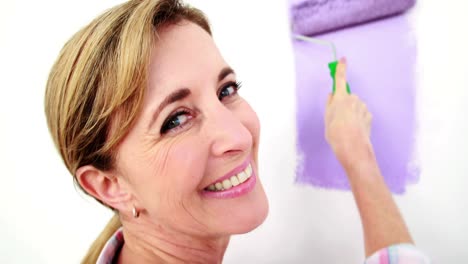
233,181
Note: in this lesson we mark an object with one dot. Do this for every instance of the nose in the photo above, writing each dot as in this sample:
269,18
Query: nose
228,133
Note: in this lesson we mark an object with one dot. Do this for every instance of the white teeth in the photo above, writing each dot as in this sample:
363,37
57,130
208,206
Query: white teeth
233,181
227,184
249,170
242,177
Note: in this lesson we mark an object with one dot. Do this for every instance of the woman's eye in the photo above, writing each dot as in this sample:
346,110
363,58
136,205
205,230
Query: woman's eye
175,121
229,89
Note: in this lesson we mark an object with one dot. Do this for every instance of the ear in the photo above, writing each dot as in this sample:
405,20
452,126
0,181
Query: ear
104,186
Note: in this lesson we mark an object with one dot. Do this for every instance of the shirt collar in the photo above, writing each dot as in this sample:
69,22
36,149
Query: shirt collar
112,248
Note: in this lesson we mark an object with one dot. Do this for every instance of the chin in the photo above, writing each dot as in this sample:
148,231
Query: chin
252,215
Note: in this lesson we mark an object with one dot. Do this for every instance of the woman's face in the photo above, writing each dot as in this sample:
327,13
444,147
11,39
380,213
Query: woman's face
190,161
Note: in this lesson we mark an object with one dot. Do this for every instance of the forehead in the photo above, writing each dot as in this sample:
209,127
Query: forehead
183,54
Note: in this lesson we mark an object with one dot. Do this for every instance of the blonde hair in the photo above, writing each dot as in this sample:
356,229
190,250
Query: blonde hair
96,87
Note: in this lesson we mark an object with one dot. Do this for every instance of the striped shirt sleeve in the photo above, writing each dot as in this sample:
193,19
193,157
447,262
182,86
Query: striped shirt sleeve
398,254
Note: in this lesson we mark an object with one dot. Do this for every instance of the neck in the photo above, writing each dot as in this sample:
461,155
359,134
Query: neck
147,242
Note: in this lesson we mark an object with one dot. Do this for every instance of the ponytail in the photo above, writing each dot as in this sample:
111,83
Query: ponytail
95,249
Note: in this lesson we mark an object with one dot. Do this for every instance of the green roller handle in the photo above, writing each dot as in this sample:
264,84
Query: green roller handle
332,66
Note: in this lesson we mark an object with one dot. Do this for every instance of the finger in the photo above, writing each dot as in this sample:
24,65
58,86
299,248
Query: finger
364,109
355,103
369,123
340,78
330,97
368,118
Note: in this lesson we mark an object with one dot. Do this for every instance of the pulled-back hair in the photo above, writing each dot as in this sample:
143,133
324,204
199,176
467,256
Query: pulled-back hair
97,85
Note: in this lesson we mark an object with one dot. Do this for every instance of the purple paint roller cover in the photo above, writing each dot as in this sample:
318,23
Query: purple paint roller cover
312,17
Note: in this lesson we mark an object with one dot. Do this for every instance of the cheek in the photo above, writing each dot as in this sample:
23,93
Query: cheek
167,173
179,166
187,163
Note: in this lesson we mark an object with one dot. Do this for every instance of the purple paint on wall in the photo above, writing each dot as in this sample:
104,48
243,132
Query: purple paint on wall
381,57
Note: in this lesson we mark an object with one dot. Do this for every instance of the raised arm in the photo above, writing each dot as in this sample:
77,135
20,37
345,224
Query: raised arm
348,124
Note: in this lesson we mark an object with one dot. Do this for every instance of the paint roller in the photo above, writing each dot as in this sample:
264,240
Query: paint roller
314,17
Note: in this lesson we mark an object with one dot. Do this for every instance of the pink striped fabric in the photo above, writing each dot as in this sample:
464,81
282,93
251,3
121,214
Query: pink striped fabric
111,249
398,254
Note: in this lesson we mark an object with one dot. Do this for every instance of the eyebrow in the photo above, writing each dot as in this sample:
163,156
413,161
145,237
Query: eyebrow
183,93
173,97
225,72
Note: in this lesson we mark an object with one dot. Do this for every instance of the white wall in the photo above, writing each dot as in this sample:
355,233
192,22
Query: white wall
43,219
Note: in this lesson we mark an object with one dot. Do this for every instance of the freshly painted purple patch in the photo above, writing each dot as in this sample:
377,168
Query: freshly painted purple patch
381,57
